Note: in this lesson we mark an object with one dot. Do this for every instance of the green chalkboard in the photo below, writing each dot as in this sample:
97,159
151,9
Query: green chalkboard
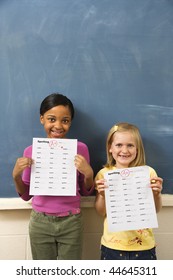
112,58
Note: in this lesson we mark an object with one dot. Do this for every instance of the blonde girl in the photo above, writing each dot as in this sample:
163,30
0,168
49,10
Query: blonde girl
125,149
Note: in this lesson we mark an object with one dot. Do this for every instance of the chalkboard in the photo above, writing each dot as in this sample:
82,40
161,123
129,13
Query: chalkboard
112,58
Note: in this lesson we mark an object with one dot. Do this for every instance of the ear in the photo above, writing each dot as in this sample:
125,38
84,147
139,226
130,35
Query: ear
41,119
110,150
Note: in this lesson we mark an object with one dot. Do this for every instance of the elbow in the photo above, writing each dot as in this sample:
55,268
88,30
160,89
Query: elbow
158,208
100,211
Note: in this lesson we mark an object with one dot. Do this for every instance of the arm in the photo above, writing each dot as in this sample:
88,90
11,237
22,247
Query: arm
156,185
21,164
84,168
100,197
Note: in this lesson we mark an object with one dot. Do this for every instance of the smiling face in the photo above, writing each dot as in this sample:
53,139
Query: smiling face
123,148
56,121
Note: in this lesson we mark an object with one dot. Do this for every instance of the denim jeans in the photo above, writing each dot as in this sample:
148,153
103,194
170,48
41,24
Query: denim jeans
111,254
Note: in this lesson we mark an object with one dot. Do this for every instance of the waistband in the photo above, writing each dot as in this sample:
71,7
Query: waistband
64,214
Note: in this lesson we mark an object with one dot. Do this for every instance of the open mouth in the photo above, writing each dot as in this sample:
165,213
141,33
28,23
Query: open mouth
57,133
123,156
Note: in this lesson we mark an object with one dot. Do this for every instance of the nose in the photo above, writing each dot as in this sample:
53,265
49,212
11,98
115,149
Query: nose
124,149
57,124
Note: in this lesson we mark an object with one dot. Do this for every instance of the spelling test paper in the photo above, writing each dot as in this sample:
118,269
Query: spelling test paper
53,171
129,199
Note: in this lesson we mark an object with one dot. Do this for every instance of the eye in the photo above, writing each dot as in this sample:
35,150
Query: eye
118,145
130,145
66,121
51,119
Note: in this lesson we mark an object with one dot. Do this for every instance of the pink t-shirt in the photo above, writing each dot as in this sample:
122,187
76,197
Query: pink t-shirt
57,204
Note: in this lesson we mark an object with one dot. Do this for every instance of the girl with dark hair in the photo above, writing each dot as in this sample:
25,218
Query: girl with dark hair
56,226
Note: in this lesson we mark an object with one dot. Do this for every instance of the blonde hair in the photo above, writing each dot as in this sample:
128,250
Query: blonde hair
122,127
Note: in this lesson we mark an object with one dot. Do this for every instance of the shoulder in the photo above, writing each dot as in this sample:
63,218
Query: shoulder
102,171
152,171
82,150
28,151
81,147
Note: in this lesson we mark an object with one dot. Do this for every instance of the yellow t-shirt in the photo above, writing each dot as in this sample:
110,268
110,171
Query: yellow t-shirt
131,240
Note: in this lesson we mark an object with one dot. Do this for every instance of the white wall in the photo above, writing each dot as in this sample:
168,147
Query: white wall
14,219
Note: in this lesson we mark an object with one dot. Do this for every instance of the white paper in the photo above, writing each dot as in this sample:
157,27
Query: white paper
53,171
129,199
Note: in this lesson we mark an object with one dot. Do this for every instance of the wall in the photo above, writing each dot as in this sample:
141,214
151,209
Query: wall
14,241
